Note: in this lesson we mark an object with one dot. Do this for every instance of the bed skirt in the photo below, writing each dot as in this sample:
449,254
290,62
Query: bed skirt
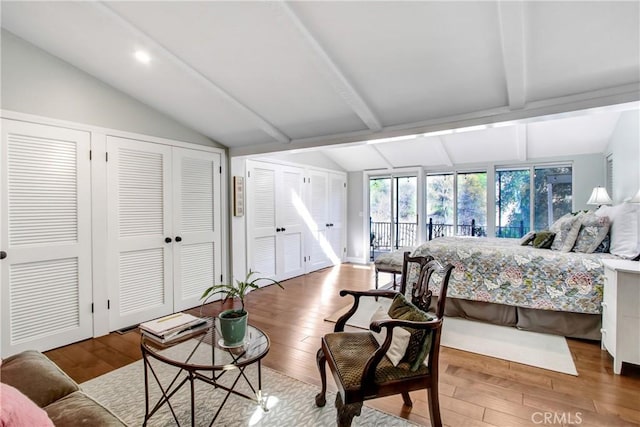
573,325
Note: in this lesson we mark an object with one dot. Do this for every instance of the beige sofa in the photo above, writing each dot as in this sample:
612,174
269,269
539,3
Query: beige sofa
42,381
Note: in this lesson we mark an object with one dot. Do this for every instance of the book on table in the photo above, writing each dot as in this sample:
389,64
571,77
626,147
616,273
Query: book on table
173,326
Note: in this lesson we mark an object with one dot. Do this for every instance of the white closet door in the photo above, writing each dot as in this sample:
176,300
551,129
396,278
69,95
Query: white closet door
289,219
337,212
46,235
196,229
139,220
320,249
261,217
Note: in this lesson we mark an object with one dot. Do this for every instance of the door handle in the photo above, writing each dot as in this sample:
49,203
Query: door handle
3,254
178,239
282,229
278,230
167,240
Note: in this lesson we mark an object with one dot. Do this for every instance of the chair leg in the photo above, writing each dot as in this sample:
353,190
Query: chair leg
434,406
346,412
407,398
321,360
376,278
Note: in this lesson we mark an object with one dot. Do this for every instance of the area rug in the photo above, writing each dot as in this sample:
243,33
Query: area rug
290,402
529,348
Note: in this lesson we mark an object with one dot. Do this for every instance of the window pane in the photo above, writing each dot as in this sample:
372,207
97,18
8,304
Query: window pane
380,211
440,205
472,204
512,202
406,225
553,195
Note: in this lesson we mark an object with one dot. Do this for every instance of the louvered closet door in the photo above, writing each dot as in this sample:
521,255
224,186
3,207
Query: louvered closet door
196,242
46,234
337,212
261,217
290,240
320,248
139,220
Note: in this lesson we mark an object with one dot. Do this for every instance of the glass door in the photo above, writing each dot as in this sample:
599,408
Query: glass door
393,213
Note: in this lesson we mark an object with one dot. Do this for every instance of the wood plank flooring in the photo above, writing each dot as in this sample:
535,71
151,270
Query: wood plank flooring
475,390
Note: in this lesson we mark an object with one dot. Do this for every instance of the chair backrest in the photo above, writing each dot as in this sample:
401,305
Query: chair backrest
421,295
407,264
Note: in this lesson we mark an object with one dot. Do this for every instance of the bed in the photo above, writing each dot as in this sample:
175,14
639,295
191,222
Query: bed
499,281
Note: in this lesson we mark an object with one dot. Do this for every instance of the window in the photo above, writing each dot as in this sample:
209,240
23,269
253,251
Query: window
552,195
440,205
459,212
513,189
472,204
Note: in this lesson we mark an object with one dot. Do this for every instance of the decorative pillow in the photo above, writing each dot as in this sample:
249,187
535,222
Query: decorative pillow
420,341
400,340
527,238
18,410
544,239
566,229
625,229
603,247
593,230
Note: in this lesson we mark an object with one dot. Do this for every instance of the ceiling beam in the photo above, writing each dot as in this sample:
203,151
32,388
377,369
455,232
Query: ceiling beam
382,156
440,148
254,117
329,68
521,141
578,104
511,17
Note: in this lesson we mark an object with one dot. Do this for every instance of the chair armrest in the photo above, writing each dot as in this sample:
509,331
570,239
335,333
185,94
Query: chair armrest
342,321
377,325
370,293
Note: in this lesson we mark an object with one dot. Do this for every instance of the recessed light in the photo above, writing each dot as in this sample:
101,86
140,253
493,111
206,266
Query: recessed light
142,56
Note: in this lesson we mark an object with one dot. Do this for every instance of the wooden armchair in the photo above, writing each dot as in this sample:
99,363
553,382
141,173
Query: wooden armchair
360,367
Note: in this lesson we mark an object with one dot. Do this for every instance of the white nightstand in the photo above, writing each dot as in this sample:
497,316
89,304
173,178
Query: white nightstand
621,311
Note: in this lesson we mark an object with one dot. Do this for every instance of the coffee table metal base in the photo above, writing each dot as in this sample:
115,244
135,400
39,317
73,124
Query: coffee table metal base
190,377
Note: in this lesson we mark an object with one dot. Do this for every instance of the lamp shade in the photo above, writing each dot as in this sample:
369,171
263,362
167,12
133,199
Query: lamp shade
599,196
636,198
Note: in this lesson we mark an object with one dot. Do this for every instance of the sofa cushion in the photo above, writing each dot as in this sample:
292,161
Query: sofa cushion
17,410
36,377
79,409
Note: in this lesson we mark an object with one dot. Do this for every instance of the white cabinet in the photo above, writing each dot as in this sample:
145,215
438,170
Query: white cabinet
275,219
163,228
621,312
45,207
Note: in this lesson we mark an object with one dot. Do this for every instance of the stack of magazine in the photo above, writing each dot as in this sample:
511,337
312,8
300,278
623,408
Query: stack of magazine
173,327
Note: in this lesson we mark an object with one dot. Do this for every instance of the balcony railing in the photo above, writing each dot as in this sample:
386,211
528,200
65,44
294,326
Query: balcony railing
406,232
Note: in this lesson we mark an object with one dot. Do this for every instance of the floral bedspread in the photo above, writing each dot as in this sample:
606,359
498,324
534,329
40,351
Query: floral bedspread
501,271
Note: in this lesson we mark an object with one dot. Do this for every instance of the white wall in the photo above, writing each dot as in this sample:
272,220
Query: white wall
357,235
624,147
36,82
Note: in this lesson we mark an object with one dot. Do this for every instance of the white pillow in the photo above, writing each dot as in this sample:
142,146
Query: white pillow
400,340
625,229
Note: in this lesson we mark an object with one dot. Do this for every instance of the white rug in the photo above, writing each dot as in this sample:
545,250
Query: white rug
529,348
290,402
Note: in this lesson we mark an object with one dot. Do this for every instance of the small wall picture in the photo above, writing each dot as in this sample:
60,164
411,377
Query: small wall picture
238,196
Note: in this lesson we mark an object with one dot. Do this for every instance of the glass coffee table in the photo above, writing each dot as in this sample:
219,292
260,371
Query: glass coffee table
203,357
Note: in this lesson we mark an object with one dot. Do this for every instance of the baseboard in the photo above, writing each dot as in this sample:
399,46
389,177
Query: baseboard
354,260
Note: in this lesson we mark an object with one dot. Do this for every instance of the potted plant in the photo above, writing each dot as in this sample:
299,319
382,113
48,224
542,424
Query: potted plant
233,322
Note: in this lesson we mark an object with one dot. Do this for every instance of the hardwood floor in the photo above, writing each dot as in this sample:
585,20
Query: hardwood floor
475,390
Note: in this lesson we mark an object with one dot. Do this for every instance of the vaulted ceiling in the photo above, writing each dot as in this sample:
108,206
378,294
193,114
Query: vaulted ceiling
267,76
